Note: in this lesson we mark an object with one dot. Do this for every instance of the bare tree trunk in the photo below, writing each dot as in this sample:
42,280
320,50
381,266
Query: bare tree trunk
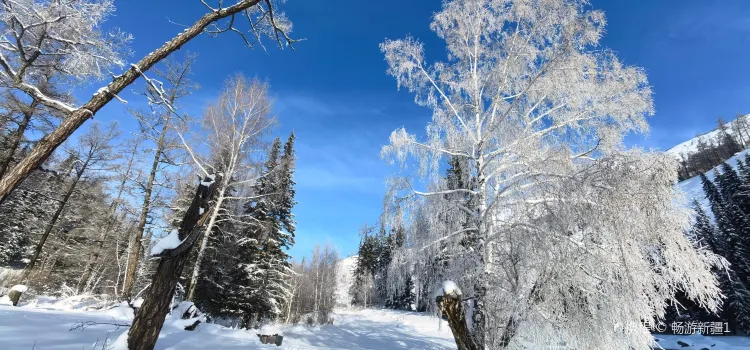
204,242
150,317
16,138
53,220
76,118
110,222
135,240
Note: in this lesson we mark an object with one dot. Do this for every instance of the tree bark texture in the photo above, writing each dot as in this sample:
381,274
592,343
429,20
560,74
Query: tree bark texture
451,306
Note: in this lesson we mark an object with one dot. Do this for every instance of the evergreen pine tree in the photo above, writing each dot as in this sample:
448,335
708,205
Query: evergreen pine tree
287,192
262,274
729,184
705,232
733,226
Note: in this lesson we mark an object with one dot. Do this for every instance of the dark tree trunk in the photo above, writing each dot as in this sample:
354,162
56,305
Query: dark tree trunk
451,306
150,317
76,118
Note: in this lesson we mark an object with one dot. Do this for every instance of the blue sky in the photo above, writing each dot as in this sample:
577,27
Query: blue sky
334,93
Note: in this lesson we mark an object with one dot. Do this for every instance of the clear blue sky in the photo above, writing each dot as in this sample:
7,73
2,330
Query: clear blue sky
333,90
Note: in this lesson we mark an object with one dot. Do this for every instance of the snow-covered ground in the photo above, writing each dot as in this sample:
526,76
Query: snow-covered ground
47,325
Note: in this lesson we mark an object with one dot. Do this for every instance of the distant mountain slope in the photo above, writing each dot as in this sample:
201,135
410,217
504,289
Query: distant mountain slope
345,279
691,146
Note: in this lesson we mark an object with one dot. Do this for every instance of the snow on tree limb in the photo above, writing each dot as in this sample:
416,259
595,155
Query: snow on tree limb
263,22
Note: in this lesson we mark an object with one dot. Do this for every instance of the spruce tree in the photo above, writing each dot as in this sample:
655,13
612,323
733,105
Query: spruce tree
729,184
733,227
261,277
287,192
705,232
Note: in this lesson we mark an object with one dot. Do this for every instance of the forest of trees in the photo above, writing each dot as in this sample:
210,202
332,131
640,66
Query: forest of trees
93,210
86,221
727,233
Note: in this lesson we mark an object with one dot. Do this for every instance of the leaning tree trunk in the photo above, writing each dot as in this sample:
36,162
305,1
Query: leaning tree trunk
150,317
451,306
75,118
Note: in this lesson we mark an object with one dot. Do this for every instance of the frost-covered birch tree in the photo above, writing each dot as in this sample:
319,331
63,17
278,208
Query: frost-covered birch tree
573,239
234,129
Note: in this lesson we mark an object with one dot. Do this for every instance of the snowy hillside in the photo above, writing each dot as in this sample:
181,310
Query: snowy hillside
345,279
691,146
693,188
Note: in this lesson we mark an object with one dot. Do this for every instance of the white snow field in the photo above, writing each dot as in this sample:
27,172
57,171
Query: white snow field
47,326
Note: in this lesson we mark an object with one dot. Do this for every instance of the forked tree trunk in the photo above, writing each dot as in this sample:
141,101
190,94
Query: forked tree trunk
150,317
77,117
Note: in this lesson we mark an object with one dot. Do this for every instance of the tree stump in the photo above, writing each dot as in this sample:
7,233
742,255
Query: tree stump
15,294
271,339
451,307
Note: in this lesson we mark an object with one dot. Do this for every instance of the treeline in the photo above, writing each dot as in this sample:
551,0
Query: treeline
727,233
372,273
710,152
